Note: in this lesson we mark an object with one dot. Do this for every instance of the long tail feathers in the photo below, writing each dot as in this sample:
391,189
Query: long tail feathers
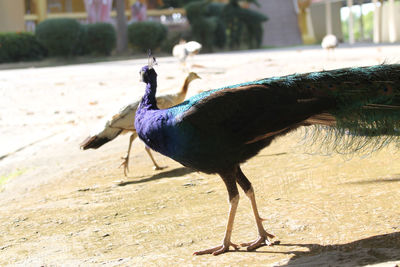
96,141
93,142
367,112
368,98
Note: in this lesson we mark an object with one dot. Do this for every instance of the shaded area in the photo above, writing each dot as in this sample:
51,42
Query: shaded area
273,155
371,250
166,174
373,181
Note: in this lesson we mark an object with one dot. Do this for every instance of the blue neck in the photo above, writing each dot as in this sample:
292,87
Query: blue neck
149,98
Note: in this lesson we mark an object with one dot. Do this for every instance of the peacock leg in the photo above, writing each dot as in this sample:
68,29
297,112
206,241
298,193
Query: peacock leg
263,236
230,182
156,167
125,161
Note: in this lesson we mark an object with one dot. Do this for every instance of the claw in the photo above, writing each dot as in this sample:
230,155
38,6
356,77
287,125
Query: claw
125,163
217,250
262,240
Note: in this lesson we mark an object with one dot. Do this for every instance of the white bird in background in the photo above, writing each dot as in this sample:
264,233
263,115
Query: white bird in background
329,43
184,49
122,122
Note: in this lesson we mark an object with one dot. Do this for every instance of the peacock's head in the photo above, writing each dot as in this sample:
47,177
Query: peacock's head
147,73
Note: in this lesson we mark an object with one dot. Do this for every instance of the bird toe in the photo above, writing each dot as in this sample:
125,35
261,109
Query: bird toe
259,242
217,250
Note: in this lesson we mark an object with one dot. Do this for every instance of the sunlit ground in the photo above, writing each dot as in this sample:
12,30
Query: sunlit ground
60,205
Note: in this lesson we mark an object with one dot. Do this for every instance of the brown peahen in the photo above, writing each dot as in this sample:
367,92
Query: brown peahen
215,131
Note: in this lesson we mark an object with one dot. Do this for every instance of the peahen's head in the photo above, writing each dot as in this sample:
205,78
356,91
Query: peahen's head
193,76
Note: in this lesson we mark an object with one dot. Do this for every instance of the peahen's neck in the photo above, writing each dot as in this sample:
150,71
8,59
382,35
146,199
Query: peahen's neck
185,87
149,98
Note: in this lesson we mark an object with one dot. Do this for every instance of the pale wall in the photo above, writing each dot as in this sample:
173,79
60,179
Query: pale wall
12,15
387,26
282,27
318,18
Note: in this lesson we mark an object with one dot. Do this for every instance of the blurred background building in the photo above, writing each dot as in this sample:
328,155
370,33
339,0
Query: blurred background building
23,15
291,22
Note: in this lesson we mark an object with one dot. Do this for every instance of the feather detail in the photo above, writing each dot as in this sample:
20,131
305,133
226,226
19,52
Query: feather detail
115,124
95,141
321,119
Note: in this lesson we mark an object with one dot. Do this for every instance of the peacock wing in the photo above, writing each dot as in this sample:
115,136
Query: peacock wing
242,114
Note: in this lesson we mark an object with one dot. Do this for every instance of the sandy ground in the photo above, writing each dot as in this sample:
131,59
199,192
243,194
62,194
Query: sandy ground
63,206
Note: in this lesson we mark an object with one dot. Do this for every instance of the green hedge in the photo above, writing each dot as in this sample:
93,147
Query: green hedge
243,25
176,3
61,37
67,37
146,35
207,26
215,24
100,39
20,47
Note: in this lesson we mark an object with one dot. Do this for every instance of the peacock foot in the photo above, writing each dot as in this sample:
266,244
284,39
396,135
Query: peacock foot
125,164
262,240
217,250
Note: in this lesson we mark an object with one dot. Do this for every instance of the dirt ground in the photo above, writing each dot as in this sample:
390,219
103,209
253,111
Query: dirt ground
63,206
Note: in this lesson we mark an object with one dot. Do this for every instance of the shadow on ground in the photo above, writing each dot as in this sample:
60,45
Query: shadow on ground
379,180
371,250
165,174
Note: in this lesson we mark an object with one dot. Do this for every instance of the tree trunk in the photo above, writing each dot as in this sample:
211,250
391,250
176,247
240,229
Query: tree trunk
122,29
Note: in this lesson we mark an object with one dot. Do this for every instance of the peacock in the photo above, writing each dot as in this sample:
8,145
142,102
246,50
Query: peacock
217,130
123,122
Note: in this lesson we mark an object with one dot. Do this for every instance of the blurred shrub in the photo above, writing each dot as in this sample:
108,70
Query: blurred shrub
61,37
146,35
203,22
243,25
20,47
215,10
176,3
99,39
214,24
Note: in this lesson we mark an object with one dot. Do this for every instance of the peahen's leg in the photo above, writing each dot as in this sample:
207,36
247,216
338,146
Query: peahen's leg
230,182
125,161
263,236
156,167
